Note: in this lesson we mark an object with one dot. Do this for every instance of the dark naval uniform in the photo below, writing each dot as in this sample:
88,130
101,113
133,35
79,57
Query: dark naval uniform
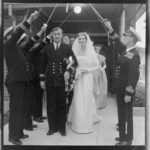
16,80
128,75
30,55
54,66
38,91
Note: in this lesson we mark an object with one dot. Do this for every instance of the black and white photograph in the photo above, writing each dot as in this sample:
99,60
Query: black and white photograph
74,74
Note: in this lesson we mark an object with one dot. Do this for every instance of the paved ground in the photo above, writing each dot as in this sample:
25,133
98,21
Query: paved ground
104,132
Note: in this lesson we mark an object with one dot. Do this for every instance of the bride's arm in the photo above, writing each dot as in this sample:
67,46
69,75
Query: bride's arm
94,69
103,68
85,70
104,64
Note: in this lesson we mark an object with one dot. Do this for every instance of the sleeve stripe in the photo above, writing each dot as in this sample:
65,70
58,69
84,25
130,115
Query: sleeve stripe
35,38
25,25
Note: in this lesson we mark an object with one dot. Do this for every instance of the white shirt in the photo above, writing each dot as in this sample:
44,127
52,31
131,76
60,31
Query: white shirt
55,45
128,49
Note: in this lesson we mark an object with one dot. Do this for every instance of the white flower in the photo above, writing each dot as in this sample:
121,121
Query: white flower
70,59
71,62
78,74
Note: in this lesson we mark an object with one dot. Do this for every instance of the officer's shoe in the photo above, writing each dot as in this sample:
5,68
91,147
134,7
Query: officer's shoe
50,132
63,133
29,129
43,117
24,136
124,143
38,119
34,126
15,141
117,139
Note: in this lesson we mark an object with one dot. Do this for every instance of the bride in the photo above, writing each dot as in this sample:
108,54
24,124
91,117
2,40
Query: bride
83,113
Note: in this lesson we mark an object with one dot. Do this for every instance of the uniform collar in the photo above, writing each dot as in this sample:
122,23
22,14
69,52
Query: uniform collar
128,49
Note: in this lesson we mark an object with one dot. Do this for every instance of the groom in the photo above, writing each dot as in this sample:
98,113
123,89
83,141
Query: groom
55,75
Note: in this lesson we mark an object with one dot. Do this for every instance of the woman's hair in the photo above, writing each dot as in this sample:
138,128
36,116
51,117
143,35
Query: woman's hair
84,34
66,36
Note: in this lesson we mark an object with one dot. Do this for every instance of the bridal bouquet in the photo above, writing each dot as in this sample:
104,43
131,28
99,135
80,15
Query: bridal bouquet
69,62
78,74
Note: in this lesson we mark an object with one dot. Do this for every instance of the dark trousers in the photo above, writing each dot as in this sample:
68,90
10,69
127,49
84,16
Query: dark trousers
17,100
70,96
56,108
28,106
125,115
38,99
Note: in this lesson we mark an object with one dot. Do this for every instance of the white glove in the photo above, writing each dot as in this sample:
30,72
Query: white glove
127,99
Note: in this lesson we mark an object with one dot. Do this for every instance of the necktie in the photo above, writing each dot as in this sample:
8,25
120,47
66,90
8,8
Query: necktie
57,47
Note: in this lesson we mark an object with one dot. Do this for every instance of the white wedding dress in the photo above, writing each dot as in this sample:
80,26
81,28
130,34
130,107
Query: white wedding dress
83,113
